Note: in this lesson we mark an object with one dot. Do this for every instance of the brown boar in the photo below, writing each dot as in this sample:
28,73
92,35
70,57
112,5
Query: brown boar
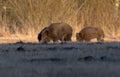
55,32
90,32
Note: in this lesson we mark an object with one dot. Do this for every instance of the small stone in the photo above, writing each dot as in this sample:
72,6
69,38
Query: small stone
20,48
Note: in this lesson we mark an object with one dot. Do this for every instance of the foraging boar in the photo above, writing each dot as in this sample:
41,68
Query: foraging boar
90,32
55,32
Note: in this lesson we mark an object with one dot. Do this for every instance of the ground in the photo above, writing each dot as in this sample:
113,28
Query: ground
71,59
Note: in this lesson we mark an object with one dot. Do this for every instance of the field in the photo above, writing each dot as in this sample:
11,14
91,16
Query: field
22,56
70,59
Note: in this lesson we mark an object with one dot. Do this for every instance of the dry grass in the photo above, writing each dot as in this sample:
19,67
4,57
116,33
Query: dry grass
23,19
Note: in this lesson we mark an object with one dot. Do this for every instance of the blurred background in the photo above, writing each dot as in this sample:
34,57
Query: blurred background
23,18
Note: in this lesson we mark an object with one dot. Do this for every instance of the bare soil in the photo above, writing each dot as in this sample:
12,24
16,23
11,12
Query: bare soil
70,59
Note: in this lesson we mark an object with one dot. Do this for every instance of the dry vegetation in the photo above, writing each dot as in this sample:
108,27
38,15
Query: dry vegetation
23,19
